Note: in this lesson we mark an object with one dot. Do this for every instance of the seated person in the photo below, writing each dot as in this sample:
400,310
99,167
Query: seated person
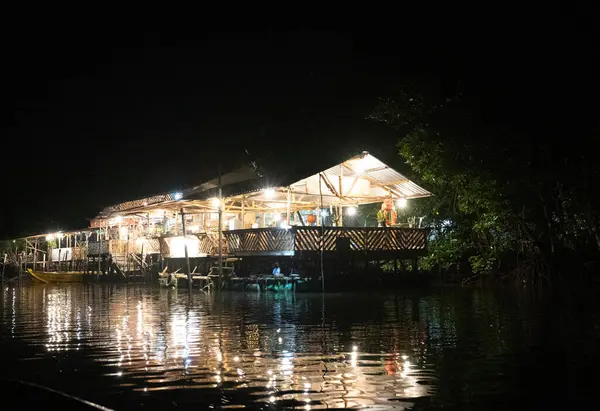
277,270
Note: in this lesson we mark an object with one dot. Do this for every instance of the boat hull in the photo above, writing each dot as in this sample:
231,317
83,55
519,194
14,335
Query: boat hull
56,277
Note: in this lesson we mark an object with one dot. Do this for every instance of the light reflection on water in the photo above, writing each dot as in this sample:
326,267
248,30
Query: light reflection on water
160,347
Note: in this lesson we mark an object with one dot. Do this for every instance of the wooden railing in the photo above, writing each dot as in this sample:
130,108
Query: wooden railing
279,241
361,238
288,241
260,240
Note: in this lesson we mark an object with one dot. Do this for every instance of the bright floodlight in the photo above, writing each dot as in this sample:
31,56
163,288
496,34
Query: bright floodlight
276,216
178,196
269,192
324,213
351,210
402,203
215,202
50,237
59,235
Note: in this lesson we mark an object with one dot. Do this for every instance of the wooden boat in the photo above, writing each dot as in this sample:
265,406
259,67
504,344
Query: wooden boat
57,277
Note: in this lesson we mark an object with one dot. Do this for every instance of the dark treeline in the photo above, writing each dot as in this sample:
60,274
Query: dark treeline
513,176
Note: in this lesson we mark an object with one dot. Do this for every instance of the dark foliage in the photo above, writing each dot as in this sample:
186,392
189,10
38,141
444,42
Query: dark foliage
508,200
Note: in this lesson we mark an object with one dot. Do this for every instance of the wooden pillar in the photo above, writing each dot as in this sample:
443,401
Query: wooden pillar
142,262
127,256
185,250
75,261
176,224
220,226
35,247
99,250
288,206
87,252
243,211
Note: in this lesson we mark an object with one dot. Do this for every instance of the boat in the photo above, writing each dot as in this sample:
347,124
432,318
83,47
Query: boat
57,277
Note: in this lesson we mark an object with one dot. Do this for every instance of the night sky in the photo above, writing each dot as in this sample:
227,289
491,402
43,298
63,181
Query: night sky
94,116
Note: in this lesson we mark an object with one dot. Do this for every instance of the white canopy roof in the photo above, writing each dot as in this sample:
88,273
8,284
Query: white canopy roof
362,179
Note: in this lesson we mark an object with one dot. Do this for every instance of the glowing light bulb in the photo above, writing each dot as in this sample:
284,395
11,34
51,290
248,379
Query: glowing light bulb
351,210
402,203
269,192
215,202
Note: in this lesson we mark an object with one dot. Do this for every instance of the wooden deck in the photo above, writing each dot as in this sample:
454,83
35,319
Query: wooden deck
394,241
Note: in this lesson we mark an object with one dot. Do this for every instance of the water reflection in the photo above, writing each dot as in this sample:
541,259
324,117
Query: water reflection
159,347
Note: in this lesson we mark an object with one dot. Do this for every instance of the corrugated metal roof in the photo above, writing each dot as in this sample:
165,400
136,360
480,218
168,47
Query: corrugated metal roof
205,190
367,166
384,179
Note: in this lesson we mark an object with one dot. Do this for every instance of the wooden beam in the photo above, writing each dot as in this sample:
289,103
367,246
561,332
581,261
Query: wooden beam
329,185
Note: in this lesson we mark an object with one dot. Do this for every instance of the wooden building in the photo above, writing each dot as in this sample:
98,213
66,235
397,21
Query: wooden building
239,215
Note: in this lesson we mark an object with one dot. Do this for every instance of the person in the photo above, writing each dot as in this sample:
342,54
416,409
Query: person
276,270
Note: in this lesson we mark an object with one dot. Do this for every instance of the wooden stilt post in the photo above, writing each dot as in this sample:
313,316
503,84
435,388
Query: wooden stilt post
321,242
185,250
340,214
220,226
142,260
87,252
289,207
127,256
99,251
35,247
243,211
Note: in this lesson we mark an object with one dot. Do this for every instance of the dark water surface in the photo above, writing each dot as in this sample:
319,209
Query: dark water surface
128,347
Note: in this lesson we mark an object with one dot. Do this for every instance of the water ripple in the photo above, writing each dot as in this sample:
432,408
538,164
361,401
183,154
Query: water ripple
140,346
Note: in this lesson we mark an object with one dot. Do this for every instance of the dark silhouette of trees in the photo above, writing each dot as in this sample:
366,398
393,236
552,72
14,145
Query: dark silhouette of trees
508,200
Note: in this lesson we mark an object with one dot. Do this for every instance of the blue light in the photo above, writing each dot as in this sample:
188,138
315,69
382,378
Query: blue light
178,196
